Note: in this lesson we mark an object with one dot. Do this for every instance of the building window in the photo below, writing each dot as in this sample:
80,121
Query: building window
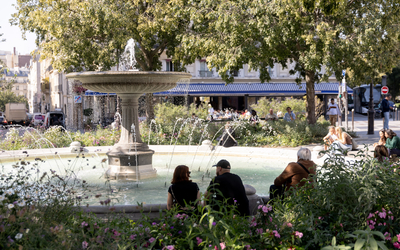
235,73
204,71
170,66
17,87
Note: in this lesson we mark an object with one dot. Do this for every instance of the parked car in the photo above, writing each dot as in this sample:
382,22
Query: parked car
3,120
37,119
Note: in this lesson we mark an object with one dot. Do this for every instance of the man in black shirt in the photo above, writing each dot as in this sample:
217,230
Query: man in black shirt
227,188
385,110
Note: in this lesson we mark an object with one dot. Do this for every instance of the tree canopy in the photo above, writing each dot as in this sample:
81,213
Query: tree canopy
360,36
92,34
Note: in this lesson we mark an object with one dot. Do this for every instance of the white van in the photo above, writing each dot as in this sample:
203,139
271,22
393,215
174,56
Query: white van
38,119
54,118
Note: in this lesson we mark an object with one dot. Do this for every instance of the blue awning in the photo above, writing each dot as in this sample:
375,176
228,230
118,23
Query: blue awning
92,93
241,89
251,89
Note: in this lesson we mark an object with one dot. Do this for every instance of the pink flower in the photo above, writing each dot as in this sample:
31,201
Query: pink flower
382,215
222,244
151,240
85,245
387,236
298,234
199,240
267,208
259,230
170,247
371,226
132,237
396,245
276,234
370,216
398,237
289,224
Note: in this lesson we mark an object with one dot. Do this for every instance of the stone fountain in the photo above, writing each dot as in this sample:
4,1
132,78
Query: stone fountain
130,158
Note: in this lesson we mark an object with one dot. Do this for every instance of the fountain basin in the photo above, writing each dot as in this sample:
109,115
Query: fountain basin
256,166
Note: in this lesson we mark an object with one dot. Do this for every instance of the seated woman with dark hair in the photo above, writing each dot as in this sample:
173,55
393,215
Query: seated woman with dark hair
382,138
380,153
183,192
392,142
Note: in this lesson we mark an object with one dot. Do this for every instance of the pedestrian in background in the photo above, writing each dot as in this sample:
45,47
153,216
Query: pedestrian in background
333,112
386,111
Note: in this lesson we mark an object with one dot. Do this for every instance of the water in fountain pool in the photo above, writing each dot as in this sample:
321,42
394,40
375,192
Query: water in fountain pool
258,172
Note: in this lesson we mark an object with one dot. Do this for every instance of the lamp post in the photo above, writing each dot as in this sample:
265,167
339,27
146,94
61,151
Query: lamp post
371,110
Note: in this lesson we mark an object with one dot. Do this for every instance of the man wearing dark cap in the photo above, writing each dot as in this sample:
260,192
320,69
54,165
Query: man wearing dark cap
227,188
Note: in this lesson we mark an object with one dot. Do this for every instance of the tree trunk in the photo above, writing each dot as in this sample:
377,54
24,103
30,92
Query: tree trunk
149,107
310,96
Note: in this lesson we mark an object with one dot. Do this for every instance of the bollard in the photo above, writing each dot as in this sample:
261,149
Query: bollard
352,120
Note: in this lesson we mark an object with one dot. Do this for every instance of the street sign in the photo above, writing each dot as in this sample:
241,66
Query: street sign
384,90
77,99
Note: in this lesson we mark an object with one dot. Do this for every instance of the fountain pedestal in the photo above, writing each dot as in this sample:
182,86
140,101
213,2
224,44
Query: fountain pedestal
130,158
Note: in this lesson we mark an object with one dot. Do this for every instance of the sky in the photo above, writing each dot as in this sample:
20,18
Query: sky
13,34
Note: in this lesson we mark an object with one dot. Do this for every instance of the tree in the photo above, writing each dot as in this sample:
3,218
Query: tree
91,35
321,38
393,81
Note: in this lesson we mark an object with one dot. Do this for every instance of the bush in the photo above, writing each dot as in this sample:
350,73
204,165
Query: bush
348,196
349,203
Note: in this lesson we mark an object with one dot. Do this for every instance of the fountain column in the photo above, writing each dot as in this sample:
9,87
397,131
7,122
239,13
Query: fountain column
130,158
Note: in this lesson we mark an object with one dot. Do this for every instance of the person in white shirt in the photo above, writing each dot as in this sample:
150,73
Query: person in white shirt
210,112
333,111
330,137
271,116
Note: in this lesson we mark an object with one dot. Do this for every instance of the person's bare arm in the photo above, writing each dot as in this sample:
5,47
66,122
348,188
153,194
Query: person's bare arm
169,201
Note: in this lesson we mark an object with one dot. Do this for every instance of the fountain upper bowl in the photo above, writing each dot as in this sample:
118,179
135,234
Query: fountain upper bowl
135,82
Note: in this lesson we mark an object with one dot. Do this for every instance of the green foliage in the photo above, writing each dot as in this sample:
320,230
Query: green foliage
318,38
393,81
174,125
344,198
264,105
57,137
88,35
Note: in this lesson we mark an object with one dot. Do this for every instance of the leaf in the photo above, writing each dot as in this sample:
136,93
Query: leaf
359,244
380,234
382,245
373,244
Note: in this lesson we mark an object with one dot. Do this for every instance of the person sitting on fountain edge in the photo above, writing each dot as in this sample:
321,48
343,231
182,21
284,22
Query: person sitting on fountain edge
183,192
293,174
227,188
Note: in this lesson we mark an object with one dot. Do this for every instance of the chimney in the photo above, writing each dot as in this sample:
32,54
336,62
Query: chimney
15,51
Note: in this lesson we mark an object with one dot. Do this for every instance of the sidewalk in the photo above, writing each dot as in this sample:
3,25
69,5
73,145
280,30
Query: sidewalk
361,128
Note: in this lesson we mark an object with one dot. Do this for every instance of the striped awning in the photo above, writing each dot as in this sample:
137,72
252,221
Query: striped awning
241,89
251,89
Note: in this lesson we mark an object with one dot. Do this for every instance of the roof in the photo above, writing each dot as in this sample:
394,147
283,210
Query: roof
16,72
241,89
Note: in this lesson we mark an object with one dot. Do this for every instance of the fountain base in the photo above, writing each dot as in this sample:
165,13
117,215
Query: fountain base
130,165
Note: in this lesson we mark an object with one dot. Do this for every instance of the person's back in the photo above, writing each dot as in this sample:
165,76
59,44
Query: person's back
229,188
184,193
294,174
